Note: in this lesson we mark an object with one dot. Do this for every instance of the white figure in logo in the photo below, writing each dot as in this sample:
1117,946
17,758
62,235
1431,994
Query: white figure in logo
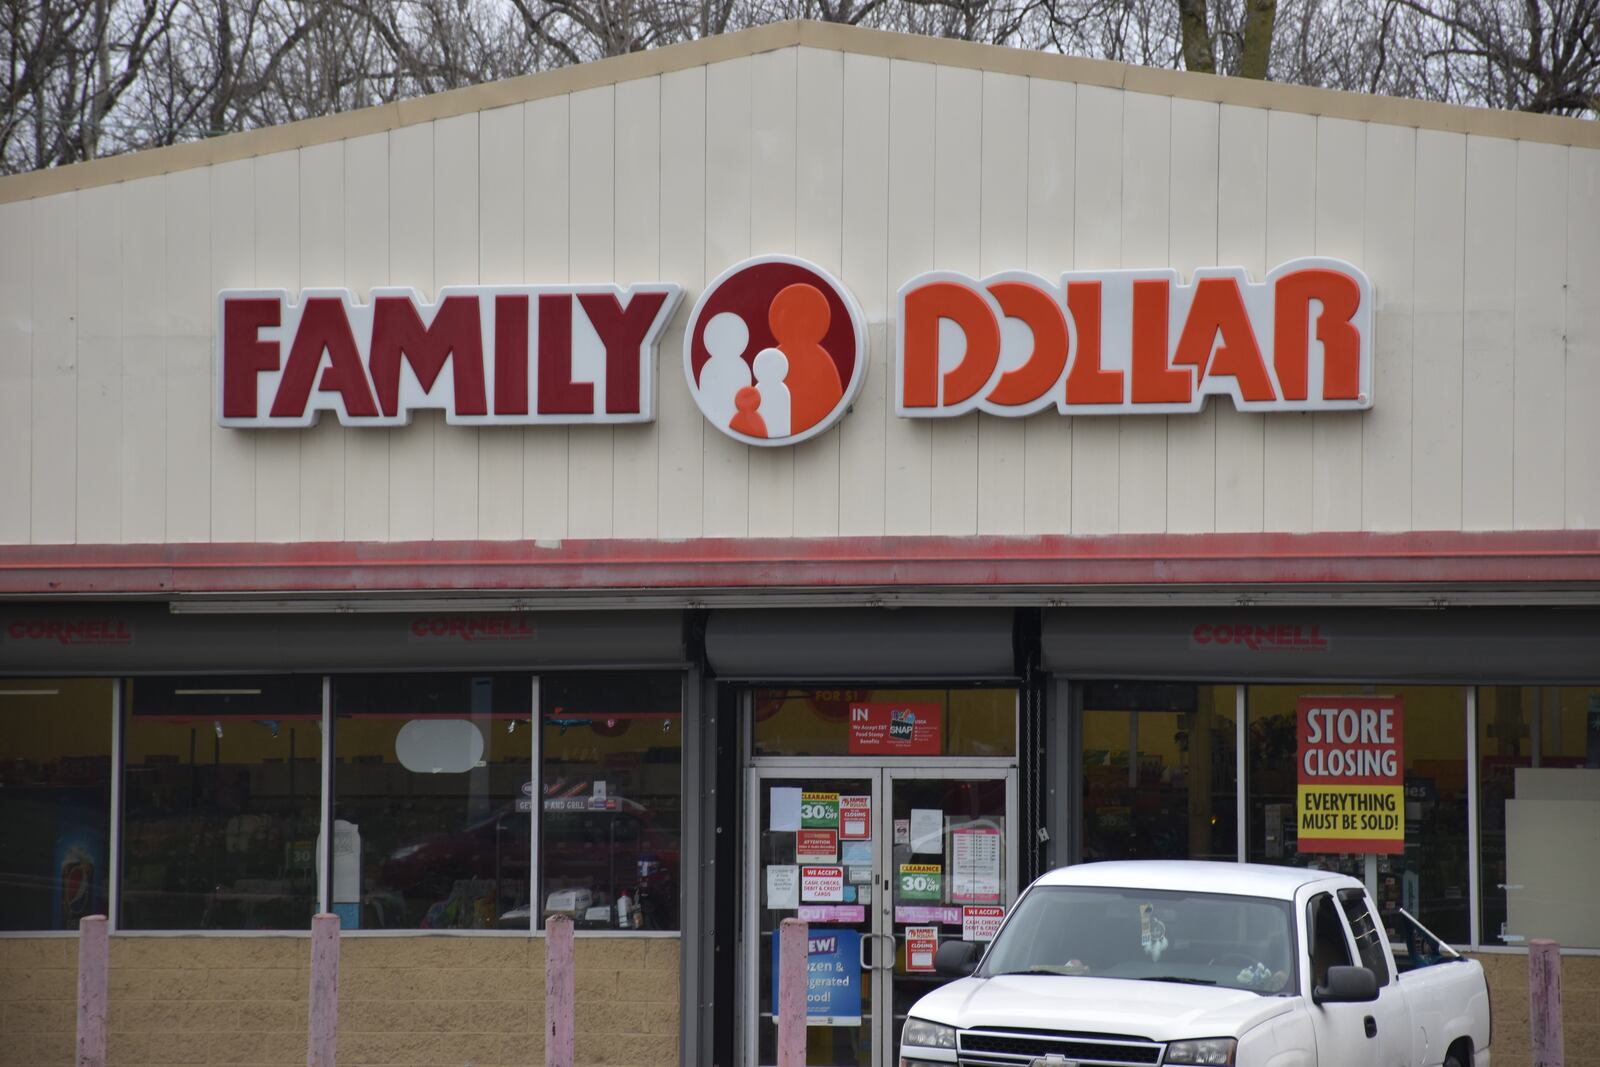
772,367
726,372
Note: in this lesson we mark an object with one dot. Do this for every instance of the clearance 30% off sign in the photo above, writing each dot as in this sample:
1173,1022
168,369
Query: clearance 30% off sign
1351,769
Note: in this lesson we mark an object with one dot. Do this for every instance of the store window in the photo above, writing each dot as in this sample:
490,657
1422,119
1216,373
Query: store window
1160,768
885,722
55,800
222,798
433,786
1539,814
610,837
1430,879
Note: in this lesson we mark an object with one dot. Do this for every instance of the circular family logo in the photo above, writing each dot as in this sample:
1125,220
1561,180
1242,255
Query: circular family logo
775,351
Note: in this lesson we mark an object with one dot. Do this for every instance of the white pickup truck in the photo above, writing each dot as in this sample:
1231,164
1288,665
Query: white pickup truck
1153,962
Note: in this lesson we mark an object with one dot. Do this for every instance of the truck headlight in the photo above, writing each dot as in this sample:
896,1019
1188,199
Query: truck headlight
928,1035
1205,1050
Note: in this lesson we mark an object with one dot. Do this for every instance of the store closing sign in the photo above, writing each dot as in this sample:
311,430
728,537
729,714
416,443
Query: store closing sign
1351,770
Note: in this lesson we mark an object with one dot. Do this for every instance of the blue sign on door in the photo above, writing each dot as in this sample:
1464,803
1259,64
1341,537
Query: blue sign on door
833,985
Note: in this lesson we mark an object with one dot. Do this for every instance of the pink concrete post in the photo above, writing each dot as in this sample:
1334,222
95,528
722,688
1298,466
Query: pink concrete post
558,984
1544,1003
794,950
322,1026
94,949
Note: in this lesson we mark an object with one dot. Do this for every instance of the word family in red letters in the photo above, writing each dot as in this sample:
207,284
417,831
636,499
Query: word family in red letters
484,355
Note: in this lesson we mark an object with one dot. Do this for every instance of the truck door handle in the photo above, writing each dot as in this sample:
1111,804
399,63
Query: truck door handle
1371,1025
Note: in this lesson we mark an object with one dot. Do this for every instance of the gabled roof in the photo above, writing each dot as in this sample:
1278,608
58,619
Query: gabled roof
1243,92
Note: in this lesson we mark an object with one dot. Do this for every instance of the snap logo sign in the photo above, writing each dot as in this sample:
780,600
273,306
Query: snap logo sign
484,355
775,351
1135,341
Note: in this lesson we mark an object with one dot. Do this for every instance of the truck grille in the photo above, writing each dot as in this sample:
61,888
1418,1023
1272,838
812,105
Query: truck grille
1006,1048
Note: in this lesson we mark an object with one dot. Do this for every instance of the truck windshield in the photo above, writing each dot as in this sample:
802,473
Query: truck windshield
1197,938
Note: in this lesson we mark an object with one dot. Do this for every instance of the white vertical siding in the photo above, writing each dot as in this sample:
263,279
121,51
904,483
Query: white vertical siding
635,500
861,222
1488,293
1487,338
1385,441
773,486
1341,202
591,216
1052,148
322,263
233,266
501,210
1291,229
957,215
54,399
1191,505
1241,242
1436,363
545,241
1097,244
366,244
908,443
99,417
680,429
1583,339
455,262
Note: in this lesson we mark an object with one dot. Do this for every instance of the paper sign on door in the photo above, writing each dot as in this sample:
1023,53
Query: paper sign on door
855,818
783,887
975,865
981,924
921,881
819,811
922,944
822,885
816,846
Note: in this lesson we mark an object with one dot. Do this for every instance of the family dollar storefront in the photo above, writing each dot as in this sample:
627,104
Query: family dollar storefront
809,473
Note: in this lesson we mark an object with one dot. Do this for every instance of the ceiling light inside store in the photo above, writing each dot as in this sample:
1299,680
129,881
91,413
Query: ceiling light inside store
217,692
30,692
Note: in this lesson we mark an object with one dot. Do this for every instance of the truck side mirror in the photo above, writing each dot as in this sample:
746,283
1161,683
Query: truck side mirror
1347,985
957,959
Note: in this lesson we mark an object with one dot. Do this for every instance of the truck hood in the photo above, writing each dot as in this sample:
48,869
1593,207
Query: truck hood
1157,1011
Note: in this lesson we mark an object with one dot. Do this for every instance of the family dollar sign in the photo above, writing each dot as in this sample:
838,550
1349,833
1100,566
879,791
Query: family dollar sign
1351,771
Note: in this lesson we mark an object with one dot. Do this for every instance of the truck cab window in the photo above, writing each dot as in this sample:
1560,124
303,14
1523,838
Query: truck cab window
1329,946
1369,938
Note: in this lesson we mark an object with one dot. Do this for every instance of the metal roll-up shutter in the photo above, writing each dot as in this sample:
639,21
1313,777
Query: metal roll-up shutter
842,644
1454,645
111,638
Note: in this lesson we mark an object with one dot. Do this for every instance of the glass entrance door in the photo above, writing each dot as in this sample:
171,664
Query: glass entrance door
883,862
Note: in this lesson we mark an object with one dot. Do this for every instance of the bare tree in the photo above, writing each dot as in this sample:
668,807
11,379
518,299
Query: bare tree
81,78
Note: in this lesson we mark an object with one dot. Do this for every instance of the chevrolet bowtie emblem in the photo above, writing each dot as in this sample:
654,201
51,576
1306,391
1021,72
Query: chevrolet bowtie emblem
1053,1060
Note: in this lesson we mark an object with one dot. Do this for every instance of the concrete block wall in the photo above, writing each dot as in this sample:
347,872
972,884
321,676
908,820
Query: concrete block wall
1580,1004
421,1002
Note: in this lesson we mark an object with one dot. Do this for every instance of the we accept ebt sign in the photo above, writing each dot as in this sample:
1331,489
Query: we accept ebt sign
775,349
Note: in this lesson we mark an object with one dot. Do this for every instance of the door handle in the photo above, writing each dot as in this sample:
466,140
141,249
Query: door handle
861,948
888,963
1372,1026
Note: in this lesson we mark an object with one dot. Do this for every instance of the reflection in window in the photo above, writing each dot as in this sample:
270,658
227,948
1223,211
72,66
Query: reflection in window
432,801
1159,772
55,800
612,750
1430,879
885,722
222,802
1539,790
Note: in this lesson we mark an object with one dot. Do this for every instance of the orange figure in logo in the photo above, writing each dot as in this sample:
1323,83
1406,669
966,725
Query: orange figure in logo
799,318
747,420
